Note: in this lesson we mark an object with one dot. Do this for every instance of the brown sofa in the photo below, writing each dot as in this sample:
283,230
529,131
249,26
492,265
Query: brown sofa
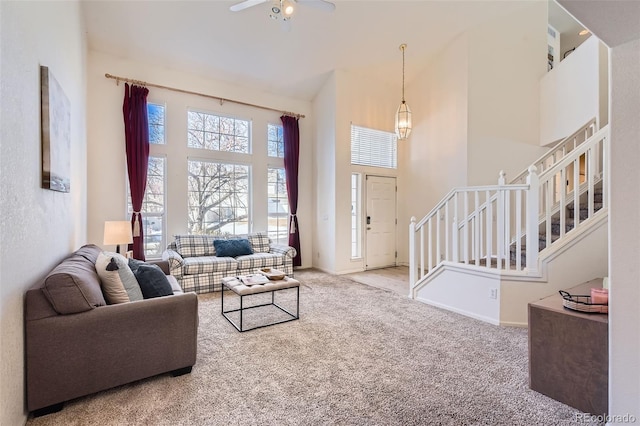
76,344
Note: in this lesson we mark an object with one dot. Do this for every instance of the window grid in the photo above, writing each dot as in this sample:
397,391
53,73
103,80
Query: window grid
275,141
156,119
153,207
218,198
375,148
356,220
217,133
278,206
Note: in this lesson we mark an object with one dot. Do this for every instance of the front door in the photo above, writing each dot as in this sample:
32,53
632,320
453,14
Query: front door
380,223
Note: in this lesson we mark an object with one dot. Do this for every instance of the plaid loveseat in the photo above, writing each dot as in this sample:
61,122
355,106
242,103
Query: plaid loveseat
193,261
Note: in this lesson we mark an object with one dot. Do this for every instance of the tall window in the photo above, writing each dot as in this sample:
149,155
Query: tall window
375,148
217,133
278,207
218,197
153,208
356,218
275,141
155,113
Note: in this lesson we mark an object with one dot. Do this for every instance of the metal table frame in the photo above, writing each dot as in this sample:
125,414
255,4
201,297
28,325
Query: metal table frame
242,309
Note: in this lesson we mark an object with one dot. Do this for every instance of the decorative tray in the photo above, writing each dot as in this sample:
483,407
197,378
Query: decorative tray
272,274
582,303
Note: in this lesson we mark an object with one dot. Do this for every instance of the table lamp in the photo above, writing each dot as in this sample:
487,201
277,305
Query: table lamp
117,232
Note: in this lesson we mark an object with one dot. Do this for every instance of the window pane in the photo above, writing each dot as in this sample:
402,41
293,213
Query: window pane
153,207
155,114
153,233
218,197
217,133
278,206
374,148
355,216
275,141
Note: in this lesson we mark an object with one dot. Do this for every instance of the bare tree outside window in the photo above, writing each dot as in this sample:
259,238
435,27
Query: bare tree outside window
218,198
155,114
217,133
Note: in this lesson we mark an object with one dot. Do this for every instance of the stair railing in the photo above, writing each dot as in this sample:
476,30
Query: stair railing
559,151
475,226
487,226
571,183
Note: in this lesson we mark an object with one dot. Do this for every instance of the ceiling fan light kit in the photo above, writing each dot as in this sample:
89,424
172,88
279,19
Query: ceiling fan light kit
283,9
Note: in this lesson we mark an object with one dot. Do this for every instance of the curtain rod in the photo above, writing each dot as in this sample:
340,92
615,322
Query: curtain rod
222,100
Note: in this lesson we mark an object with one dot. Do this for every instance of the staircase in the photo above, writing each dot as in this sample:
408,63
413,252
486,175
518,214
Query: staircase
471,253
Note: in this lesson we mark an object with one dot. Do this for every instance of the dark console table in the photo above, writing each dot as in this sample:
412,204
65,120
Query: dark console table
568,352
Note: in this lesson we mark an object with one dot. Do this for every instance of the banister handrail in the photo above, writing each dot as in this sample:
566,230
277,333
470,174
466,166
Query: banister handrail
456,190
544,157
576,153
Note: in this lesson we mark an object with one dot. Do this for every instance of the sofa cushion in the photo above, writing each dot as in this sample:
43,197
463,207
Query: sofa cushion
259,260
73,286
118,282
208,264
195,245
259,242
89,252
232,248
153,281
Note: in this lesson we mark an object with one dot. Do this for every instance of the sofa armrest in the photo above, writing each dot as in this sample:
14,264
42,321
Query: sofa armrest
68,356
283,249
163,264
174,259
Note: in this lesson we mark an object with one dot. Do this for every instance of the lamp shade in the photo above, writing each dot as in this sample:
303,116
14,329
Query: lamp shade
117,232
403,121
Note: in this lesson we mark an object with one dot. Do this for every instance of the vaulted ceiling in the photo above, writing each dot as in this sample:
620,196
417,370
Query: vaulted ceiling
251,49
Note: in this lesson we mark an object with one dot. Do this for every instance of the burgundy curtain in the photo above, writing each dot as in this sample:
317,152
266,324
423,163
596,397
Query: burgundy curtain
136,131
291,135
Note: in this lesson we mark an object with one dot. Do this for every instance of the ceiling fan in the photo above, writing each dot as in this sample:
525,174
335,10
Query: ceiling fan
284,9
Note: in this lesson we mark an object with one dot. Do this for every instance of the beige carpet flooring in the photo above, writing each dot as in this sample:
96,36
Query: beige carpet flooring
359,355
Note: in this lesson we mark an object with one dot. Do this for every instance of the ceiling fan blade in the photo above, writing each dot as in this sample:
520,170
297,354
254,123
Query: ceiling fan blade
246,4
319,4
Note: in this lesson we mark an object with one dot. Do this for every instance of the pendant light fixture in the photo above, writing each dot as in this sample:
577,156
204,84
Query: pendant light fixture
403,115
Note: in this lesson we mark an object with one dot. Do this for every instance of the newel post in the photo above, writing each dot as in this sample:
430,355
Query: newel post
412,255
532,225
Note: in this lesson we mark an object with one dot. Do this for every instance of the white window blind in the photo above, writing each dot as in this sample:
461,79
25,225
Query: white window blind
374,148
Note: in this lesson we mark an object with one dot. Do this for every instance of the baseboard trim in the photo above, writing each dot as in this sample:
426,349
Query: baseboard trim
459,311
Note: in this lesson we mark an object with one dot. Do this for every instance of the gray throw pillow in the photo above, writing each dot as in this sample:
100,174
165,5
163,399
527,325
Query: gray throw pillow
153,281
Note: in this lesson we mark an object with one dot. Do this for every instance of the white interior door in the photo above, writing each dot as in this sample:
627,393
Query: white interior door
380,222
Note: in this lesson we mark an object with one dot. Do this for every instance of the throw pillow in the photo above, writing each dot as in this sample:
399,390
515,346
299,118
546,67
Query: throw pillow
259,242
153,281
232,248
118,282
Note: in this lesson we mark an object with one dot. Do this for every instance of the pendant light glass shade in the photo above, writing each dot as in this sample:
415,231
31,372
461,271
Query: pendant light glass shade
403,115
403,121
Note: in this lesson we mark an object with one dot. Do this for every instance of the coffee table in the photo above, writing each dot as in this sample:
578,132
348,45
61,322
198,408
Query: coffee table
239,288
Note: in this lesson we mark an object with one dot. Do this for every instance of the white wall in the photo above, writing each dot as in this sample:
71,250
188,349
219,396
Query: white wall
436,158
475,111
324,167
346,98
624,241
107,186
571,93
365,102
38,227
507,58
